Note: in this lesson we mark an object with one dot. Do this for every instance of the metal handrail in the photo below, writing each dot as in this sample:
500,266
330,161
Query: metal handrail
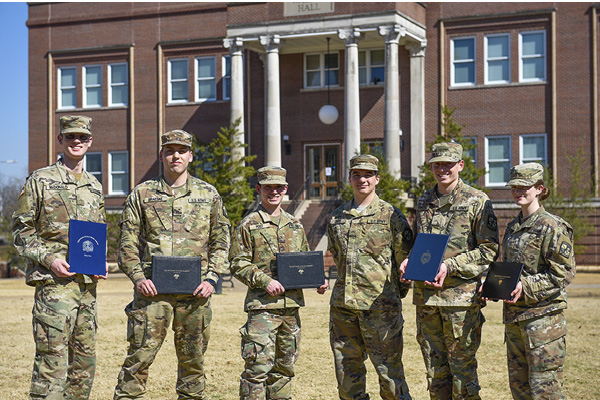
295,202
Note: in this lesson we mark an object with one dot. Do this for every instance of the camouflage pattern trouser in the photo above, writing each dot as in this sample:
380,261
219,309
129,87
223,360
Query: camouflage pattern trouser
356,334
64,329
536,350
148,320
270,347
449,338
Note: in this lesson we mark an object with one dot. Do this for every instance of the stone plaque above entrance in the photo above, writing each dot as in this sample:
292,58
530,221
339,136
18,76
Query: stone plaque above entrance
294,9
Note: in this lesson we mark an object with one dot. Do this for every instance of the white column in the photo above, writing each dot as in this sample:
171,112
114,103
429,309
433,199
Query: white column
236,102
273,111
391,129
417,106
351,96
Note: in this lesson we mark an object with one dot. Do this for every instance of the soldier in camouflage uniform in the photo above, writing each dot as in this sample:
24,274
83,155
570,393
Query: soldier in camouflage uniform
271,335
64,312
534,319
174,214
368,238
449,317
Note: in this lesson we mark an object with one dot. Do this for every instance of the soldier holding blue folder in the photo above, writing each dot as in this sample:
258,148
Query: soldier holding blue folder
64,312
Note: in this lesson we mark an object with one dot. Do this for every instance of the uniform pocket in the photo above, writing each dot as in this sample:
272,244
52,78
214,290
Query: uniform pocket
48,327
136,325
252,344
546,329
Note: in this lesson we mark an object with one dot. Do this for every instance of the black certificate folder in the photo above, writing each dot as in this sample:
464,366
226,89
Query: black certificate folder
501,280
426,256
87,247
300,269
176,275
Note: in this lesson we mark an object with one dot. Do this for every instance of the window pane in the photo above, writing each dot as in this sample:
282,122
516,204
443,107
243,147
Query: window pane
377,75
119,95
179,91
228,66
179,69
93,162
464,73
331,61
362,75
362,58
227,88
93,76
206,68
94,96
118,74
119,183
533,68
499,172
119,162
68,98
534,148
464,49
377,57
498,149
332,78
313,79
533,43
313,62
68,77
497,46
498,70
206,89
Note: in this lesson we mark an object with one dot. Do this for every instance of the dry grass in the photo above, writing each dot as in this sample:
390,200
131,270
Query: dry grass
315,377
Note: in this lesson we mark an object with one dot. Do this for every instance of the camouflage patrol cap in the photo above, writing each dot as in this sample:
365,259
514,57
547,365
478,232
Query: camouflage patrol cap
526,174
272,176
364,161
176,136
76,124
446,152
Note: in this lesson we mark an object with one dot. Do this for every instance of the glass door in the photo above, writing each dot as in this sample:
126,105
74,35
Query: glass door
322,169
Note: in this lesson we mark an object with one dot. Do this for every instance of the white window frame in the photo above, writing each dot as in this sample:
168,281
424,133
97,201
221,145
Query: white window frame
489,59
543,56
61,88
85,164
197,79
111,173
368,65
226,79
487,159
454,62
522,159
187,77
322,70
86,86
120,84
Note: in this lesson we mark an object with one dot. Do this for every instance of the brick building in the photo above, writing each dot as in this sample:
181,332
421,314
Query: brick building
523,78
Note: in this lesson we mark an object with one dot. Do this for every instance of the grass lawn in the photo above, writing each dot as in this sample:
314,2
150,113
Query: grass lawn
315,375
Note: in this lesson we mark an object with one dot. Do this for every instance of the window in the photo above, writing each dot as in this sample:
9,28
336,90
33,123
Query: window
497,58
206,79
533,148
472,153
93,165
315,70
67,89
497,155
118,84
371,67
119,172
532,56
226,63
92,84
178,81
463,61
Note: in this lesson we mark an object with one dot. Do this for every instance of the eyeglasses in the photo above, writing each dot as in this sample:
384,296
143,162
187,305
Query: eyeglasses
82,138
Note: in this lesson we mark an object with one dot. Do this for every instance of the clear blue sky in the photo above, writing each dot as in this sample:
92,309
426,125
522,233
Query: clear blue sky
13,86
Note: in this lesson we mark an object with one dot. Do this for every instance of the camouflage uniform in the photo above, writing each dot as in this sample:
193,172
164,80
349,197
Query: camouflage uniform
536,326
158,220
449,320
366,308
271,335
64,312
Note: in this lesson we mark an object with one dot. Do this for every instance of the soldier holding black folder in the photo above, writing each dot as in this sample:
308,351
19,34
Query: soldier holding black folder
271,335
449,317
535,323
174,214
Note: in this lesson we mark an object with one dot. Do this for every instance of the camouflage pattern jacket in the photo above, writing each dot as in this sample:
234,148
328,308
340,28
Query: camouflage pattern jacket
544,244
367,248
157,221
467,216
255,244
50,198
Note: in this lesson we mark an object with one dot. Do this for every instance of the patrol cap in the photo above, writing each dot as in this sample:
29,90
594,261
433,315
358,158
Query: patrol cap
446,152
364,161
76,124
176,136
526,174
272,176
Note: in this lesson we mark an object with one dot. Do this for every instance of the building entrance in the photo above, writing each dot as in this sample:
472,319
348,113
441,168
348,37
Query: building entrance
322,170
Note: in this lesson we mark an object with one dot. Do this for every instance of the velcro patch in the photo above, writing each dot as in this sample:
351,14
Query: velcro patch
565,249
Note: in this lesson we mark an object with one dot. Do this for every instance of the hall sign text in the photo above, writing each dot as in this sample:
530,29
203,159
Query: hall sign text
293,9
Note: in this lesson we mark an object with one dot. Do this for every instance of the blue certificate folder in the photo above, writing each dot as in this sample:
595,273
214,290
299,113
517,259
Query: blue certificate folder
87,247
426,256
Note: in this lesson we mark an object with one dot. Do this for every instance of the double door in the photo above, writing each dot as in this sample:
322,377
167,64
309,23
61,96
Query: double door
322,170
